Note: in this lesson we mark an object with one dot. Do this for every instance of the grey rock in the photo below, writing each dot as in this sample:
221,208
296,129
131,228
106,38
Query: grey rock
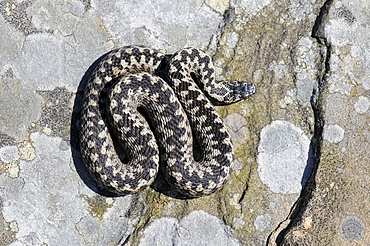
262,222
160,232
10,41
200,228
362,105
56,15
90,33
283,156
48,187
306,68
352,228
251,6
237,126
20,108
88,228
334,214
197,228
55,116
15,13
279,69
9,154
310,116
333,133
41,65
161,25
10,188
47,201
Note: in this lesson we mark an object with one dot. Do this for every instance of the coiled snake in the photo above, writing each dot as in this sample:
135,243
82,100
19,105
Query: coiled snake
176,110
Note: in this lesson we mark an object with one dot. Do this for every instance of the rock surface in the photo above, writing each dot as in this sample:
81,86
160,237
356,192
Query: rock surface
302,142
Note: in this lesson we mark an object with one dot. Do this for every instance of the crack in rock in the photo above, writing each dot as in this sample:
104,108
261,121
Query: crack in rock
277,237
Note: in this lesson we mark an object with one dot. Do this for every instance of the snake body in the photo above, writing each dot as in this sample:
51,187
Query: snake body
175,110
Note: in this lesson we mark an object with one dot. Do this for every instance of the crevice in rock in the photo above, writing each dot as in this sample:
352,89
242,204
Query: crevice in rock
124,240
243,194
136,214
228,17
295,217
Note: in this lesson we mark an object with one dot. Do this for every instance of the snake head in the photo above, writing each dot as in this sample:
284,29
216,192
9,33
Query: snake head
234,91
246,89
242,90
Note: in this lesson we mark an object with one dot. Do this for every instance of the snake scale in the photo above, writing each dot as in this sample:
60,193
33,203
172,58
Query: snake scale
154,121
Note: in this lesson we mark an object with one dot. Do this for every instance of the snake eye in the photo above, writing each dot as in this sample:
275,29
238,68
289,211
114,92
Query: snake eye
247,89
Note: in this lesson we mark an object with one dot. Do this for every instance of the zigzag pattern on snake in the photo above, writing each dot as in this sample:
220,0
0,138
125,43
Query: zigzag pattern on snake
176,109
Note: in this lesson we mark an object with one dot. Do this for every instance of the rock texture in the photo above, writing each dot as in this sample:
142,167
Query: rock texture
302,142
333,209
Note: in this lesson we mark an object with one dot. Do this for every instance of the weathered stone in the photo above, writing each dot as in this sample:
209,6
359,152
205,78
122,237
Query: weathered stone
262,222
219,5
55,117
10,42
337,196
309,118
14,12
9,154
193,229
56,15
6,140
31,67
237,126
47,205
20,106
161,25
283,157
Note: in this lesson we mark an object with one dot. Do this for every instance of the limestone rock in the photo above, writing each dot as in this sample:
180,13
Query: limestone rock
301,142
